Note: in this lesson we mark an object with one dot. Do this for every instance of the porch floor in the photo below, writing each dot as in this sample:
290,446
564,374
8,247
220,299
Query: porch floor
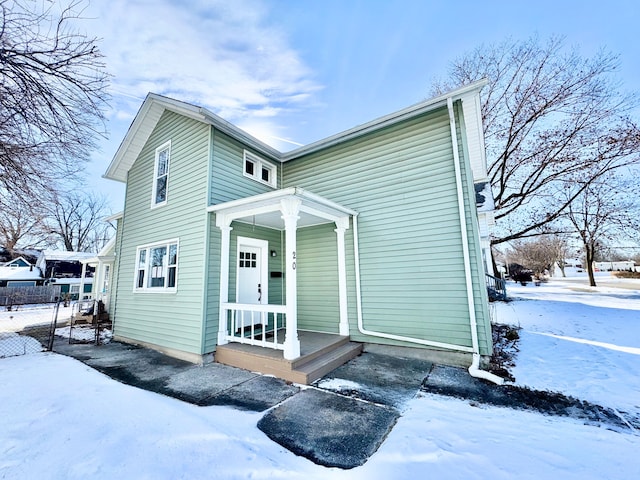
320,353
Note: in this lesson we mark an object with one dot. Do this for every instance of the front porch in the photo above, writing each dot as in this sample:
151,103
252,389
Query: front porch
261,336
320,353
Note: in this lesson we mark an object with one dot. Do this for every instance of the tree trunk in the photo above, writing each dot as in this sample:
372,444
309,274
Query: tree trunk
590,253
561,266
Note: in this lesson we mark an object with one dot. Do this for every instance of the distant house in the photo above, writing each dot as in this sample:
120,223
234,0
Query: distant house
66,270
19,271
378,235
20,276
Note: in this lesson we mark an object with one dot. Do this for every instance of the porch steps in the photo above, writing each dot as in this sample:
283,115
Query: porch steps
320,354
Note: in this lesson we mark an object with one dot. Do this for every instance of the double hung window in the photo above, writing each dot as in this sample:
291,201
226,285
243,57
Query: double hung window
161,175
157,267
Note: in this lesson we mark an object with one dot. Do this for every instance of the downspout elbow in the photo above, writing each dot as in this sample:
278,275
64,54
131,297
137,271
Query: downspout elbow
474,371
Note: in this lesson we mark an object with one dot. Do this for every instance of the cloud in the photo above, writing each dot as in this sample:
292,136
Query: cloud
224,55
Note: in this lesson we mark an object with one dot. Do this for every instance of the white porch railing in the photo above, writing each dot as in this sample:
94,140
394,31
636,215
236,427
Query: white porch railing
252,324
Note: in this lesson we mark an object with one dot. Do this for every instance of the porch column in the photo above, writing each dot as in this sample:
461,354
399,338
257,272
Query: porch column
341,225
81,287
290,207
225,229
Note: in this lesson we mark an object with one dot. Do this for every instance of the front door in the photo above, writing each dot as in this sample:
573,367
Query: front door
251,285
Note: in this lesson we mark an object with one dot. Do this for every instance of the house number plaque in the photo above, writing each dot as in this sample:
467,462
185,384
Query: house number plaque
293,265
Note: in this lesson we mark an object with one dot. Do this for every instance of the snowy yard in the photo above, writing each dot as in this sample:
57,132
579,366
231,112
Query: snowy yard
61,419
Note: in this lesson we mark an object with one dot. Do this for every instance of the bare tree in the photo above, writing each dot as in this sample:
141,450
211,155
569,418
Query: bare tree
603,211
76,222
539,254
549,115
21,223
52,94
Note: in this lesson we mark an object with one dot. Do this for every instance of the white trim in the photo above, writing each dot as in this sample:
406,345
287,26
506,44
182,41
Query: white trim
225,236
341,226
165,146
259,164
290,207
148,247
263,245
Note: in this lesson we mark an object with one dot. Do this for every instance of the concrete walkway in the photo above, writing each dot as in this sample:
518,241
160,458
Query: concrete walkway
340,421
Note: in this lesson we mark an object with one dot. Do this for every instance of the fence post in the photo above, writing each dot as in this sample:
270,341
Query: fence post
54,323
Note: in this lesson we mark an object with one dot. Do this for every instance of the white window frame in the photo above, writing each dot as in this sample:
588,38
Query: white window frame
165,146
146,268
259,164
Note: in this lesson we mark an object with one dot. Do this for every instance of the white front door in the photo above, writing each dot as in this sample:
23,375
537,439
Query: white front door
251,284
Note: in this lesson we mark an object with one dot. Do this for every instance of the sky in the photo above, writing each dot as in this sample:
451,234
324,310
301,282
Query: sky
293,72
61,419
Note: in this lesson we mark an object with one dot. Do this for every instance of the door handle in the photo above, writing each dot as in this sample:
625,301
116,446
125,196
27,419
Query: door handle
259,292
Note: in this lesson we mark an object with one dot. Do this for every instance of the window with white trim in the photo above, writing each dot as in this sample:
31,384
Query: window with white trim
259,169
161,175
157,267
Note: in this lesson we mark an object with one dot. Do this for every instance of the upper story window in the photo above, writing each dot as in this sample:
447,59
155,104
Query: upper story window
259,169
161,175
157,267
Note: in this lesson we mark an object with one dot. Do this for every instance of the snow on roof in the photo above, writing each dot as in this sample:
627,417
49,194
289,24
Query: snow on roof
20,273
66,256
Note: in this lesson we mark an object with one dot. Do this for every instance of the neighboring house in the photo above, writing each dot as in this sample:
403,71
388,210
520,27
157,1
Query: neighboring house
19,270
102,263
371,234
619,266
20,276
66,270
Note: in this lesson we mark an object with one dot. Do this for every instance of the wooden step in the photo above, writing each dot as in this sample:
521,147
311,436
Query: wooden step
304,370
313,370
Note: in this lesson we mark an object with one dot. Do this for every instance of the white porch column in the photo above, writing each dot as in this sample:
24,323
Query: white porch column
224,225
81,286
341,225
290,207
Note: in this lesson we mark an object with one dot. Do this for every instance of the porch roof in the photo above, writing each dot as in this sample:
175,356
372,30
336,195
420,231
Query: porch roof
265,209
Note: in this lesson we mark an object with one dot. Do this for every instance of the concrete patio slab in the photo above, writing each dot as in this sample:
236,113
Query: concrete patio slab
329,429
377,378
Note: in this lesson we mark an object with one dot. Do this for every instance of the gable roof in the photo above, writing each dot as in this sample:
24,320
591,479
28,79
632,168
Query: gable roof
18,262
155,105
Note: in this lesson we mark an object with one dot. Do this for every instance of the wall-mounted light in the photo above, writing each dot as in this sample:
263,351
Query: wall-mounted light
274,253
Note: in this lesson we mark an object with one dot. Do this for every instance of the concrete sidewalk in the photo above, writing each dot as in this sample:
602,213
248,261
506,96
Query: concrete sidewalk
339,421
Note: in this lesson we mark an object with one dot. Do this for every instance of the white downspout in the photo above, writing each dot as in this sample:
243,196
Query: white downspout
364,331
474,349
474,369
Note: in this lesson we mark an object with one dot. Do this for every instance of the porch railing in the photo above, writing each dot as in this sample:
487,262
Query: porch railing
496,288
255,324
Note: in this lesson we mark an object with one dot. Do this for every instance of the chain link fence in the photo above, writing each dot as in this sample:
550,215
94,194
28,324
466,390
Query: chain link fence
28,326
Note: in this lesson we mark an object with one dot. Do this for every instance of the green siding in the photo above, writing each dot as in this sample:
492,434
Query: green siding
401,181
317,268
228,182
171,320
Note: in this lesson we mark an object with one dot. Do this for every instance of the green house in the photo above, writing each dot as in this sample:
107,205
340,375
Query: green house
228,249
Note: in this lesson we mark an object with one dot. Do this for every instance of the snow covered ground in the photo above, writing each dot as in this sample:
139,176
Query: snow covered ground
61,419
31,315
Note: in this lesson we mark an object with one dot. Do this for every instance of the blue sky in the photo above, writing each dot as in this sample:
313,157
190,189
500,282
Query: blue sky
303,70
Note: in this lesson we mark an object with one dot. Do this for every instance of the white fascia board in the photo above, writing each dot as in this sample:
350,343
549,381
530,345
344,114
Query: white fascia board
114,217
249,140
140,130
